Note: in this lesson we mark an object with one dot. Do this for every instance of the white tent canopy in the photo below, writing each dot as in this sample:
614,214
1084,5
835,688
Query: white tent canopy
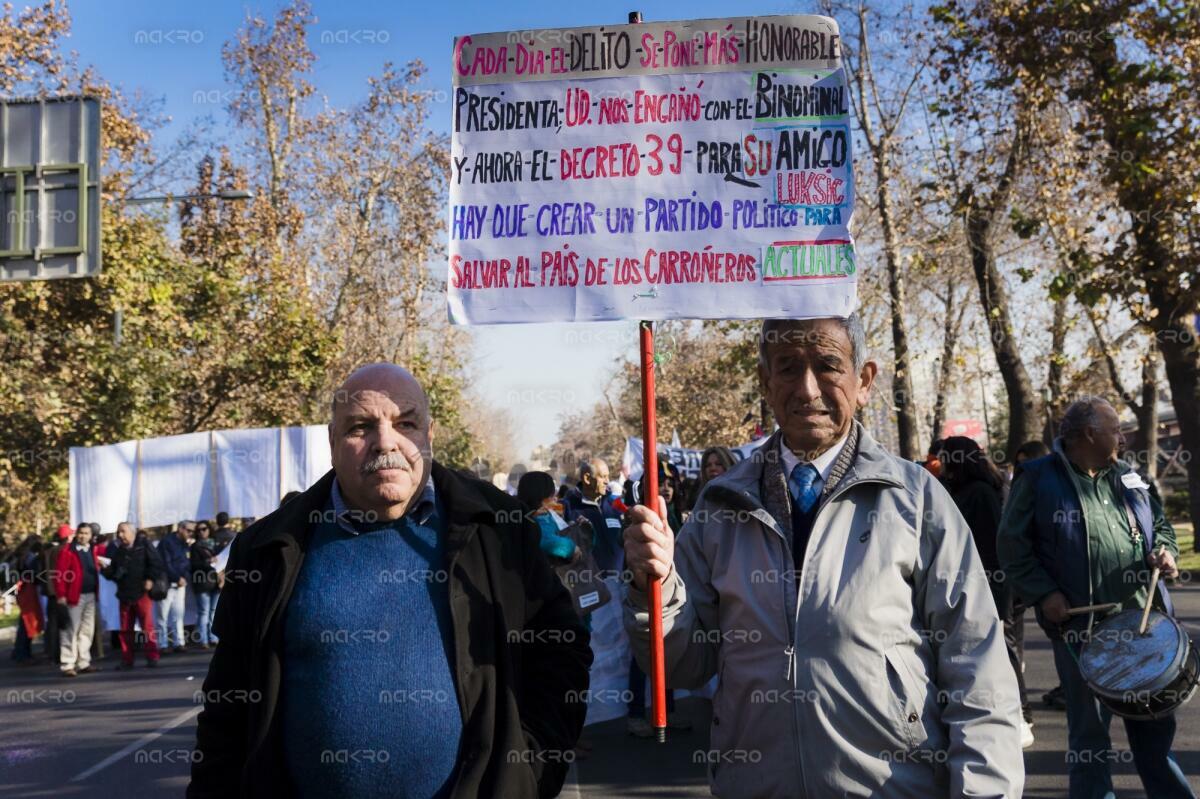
159,481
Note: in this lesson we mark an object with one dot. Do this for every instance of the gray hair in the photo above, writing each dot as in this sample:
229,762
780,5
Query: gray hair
588,467
1079,416
851,324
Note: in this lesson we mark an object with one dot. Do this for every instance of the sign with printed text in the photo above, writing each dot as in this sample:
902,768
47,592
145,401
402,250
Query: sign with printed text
698,169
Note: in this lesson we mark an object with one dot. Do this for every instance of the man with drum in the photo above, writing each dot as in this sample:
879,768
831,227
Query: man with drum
1080,529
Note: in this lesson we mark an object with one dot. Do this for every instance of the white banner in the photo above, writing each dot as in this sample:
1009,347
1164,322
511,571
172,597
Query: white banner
164,480
687,460
697,169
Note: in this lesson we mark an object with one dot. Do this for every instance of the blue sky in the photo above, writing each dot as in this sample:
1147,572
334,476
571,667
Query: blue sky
172,50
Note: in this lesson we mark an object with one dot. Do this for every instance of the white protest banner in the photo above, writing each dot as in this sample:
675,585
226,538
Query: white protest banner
687,460
697,169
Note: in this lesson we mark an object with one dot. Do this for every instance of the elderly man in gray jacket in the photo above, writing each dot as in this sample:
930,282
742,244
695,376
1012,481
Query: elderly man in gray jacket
836,592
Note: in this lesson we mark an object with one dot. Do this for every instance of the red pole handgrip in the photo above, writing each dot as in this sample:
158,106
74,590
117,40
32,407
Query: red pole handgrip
658,680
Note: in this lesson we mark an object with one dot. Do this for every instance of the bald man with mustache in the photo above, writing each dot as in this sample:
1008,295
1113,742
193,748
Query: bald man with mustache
393,631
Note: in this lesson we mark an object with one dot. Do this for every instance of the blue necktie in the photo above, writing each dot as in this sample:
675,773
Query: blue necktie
804,488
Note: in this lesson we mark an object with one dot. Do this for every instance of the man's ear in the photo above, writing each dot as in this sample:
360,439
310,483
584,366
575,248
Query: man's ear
330,429
866,379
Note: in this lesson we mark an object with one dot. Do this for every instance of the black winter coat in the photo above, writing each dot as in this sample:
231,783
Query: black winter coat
520,664
131,567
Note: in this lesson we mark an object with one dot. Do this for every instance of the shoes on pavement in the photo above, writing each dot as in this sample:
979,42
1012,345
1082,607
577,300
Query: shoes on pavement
639,728
152,664
91,668
1026,735
69,673
179,650
1055,698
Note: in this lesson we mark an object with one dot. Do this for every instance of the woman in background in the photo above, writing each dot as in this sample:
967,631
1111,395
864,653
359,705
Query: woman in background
714,462
977,488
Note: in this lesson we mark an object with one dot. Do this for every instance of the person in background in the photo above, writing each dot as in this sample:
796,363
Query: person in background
1031,450
1028,451
56,615
536,492
31,621
515,474
1081,528
931,462
670,488
175,550
587,502
134,565
714,462
224,534
77,588
205,584
99,544
975,485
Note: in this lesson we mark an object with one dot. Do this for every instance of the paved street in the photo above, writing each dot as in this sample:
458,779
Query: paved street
117,734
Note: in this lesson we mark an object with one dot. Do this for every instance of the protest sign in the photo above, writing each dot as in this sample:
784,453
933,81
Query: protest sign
697,169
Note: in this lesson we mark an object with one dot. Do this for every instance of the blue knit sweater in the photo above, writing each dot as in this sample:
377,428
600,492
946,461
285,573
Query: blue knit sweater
368,702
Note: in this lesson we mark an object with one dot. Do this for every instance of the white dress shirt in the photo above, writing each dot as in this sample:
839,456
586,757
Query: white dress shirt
823,462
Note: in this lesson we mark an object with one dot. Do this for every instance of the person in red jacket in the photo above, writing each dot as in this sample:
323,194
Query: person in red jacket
77,586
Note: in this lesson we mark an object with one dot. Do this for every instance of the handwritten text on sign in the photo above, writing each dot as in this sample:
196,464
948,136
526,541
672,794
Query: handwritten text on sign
695,169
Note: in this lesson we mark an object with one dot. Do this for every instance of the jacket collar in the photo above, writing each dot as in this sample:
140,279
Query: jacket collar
1117,468
868,462
463,500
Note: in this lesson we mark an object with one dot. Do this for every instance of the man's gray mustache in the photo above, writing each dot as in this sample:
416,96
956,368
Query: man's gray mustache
392,460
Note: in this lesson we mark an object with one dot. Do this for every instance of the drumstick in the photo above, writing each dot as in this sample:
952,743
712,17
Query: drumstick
1150,596
1093,608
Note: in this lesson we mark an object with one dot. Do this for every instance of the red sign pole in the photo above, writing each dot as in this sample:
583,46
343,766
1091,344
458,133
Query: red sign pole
658,681
658,678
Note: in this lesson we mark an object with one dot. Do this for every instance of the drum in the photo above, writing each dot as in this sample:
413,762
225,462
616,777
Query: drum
1140,676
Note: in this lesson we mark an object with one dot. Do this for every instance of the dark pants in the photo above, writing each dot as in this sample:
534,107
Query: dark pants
637,691
97,636
1089,748
50,636
23,646
141,611
1012,616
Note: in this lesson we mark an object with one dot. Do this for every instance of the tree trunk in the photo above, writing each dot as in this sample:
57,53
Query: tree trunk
1181,357
903,400
1146,443
880,141
1054,376
951,325
1025,413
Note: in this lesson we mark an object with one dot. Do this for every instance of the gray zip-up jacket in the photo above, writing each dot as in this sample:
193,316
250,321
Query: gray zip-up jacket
881,673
